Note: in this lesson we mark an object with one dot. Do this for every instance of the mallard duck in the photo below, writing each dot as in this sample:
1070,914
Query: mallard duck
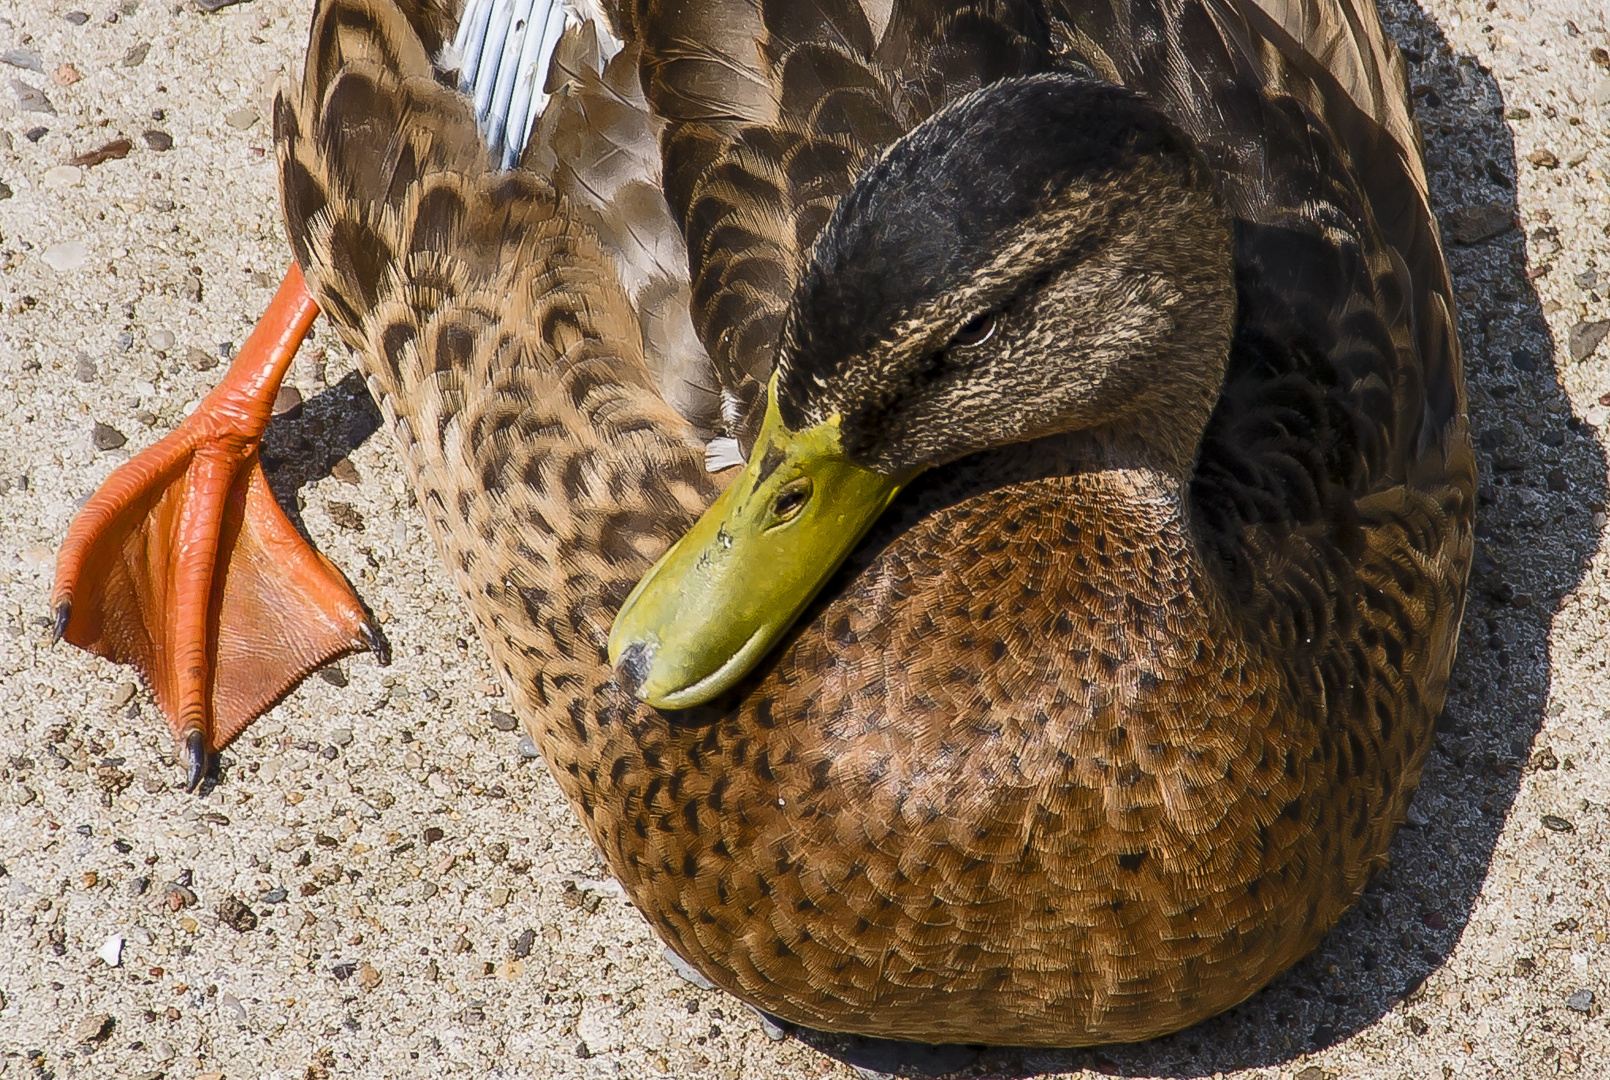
972,501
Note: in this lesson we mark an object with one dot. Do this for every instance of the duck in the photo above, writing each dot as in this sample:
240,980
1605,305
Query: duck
973,501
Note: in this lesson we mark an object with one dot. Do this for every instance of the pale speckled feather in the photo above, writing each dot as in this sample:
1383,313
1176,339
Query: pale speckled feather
604,147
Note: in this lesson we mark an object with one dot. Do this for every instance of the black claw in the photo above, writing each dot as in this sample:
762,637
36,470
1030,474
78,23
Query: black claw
377,644
195,760
64,611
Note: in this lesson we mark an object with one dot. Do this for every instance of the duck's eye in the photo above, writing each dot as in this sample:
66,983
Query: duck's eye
978,330
791,500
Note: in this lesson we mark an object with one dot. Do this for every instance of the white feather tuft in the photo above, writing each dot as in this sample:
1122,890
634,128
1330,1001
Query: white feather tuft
722,453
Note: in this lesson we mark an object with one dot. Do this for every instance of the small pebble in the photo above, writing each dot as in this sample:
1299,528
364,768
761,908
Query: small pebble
498,897
333,675
344,471
200,359
106,437
687,972
112,151
32,99
158,140
288,401
1474,224
84,371
138,886
241,119
1554,823
341,736
1586,336
772,1029
92,1028
344,515
160,340
1581,1001
112,951
503,721
69,255
123,694
234,913
274,896
136,54
77,18
1544,159
368,976
528,748
67,75
34,134
23,58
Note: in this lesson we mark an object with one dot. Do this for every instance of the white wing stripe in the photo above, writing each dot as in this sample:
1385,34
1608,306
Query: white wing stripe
534,63
469,39
497,114
486,74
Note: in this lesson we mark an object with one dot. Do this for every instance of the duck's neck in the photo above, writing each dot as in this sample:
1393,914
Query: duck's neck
1133,565
1092,629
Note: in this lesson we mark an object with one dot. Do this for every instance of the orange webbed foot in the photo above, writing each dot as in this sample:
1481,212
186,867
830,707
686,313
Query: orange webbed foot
183,565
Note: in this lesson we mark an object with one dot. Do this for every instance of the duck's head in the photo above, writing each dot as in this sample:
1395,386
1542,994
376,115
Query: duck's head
1047,255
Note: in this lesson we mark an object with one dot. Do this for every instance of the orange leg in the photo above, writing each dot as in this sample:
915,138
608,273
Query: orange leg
183,565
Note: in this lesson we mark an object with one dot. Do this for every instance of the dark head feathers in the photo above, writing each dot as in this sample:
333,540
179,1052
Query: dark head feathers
942,200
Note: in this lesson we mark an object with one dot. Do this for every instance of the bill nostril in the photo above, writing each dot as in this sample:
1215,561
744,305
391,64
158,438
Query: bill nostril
633,667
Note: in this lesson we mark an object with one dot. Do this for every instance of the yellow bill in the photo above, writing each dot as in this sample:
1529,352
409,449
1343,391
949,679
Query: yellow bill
724,595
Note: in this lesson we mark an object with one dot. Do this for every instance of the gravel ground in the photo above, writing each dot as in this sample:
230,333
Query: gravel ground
380,884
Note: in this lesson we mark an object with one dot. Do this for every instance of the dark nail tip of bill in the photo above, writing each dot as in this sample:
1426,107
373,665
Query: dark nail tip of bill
64,612
633,667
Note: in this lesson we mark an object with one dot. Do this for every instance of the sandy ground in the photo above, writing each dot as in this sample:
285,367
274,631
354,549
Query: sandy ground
423,901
